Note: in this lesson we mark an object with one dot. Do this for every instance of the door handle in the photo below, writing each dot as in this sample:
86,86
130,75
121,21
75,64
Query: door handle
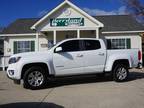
101,54
79,55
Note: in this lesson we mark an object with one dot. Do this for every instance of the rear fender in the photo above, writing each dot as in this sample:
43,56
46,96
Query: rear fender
111,60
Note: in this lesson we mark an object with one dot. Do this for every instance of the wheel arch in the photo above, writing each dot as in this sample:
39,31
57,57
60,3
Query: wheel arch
124,62
27,66
112,60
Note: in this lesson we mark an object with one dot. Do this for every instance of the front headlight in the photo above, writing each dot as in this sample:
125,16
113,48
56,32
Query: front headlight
14,60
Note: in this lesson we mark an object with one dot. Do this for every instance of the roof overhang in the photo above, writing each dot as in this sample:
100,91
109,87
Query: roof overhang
73,6
113,32
25,34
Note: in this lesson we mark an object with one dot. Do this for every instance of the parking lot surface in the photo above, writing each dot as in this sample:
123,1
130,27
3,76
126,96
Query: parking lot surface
80,92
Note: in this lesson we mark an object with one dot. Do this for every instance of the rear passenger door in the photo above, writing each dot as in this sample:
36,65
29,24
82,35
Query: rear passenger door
94,56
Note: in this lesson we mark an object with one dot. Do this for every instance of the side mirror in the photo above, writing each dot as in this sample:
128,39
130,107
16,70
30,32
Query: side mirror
58,49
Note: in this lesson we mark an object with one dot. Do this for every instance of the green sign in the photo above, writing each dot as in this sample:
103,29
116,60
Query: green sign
67,22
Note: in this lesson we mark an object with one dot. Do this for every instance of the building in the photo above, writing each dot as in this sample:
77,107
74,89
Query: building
69,21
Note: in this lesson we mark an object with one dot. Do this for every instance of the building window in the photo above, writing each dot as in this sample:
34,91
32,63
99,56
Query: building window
122,43
24,46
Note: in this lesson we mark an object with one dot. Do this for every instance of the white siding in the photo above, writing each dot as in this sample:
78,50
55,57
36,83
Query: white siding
43,40
6,47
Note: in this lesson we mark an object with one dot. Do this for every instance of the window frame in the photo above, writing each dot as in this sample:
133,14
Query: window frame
118,43
23,46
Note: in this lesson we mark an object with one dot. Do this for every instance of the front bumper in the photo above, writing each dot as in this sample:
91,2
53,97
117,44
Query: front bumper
13,72
14,80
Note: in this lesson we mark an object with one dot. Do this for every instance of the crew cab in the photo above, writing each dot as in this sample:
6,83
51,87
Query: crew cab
72,57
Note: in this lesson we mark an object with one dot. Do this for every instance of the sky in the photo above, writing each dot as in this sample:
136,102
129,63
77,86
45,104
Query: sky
10,10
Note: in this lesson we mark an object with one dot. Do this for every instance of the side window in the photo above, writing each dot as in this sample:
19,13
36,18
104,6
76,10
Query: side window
70,46
92,44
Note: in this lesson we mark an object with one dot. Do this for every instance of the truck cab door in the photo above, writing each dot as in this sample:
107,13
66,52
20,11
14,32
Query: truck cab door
68,58
94,56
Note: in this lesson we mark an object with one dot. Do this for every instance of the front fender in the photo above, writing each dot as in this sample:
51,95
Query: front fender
47,62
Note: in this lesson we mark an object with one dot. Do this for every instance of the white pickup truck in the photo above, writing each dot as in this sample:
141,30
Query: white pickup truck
72,57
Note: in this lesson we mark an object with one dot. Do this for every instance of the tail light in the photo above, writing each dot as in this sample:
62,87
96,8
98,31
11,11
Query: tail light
139,55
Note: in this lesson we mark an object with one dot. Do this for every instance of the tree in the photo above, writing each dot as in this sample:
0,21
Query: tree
135,8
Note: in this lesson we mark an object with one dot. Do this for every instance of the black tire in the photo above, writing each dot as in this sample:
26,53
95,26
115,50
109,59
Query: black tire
120,73
31,80
101,75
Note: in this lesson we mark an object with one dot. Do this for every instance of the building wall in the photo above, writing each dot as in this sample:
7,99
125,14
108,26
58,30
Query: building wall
136,40
43,43
9,43
1,45
45,26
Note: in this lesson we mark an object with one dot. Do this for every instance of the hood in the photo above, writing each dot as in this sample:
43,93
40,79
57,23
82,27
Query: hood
31,54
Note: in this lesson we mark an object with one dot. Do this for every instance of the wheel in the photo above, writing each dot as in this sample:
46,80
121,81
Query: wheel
120,73
35,78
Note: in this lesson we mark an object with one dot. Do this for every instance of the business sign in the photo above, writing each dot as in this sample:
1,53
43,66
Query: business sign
59,22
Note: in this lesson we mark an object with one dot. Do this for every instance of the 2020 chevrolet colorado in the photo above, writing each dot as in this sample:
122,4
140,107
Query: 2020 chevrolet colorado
72,57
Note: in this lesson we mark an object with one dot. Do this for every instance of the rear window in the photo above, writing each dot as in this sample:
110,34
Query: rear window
92,44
